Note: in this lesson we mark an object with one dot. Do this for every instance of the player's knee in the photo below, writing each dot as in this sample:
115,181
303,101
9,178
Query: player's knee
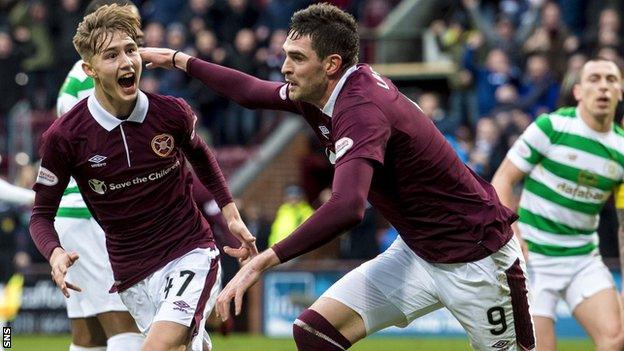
154,345
611,339
312,331
88,340
125,342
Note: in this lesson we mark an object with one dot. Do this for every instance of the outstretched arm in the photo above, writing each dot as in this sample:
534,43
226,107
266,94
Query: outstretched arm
344,210
248,91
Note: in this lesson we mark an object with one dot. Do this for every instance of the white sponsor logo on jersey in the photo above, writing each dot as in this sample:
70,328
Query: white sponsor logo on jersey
163,144
283,92
98,186
342,146
46,177
97,161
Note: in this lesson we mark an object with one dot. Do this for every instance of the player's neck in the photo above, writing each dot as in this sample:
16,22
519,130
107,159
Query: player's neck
331,85
119,109
597,123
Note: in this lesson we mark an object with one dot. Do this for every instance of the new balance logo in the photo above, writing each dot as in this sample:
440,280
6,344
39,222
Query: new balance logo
96,161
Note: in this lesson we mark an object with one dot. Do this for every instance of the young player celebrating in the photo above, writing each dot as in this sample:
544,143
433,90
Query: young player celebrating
455,248
161,249
99,320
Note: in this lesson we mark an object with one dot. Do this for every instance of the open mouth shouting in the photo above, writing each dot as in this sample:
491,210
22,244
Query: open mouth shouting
127,82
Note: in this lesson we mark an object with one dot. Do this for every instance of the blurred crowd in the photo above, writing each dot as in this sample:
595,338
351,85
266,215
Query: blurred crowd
36,51
516,59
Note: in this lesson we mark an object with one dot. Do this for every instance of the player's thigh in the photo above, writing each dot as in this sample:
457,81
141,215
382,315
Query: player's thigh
549,277
186,290
117,322
87,332
545,333
601,315
390,290
490,299
167,336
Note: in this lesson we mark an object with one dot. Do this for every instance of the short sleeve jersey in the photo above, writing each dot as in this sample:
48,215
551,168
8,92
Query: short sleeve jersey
442,210
571,172
133,177
77,86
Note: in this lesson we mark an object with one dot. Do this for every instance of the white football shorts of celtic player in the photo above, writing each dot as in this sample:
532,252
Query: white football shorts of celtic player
571,278
92,272
184,291
488,297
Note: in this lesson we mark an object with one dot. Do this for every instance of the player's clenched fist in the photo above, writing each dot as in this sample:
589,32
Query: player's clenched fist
60,262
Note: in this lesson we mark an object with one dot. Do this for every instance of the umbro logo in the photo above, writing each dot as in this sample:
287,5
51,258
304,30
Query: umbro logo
501,344
97,161
181,306
325,131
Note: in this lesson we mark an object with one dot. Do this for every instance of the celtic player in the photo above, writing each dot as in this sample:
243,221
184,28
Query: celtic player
571,160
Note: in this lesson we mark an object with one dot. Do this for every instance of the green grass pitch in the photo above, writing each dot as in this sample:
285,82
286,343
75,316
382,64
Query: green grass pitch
242,342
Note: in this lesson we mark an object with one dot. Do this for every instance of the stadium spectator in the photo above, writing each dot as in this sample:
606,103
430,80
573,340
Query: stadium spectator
10,90
496,72
31,27
384,147
552,39
570,161
503,34
291,213
539,91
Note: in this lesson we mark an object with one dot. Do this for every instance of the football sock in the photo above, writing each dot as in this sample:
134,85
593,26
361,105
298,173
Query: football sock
125,342
313,332
73,347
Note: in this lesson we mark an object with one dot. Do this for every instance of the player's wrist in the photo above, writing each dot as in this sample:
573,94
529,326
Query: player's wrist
58,251
179,60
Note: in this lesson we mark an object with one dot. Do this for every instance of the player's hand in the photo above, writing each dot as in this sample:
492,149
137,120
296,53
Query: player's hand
247,276
60,262
248,248
163,58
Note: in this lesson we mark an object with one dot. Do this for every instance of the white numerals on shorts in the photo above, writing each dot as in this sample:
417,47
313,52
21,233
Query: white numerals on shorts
380,80
187,275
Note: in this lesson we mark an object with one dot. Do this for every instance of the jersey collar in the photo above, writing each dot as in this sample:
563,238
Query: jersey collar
110,122
328,109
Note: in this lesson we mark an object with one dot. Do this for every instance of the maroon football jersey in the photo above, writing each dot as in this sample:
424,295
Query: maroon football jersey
132,174
441,209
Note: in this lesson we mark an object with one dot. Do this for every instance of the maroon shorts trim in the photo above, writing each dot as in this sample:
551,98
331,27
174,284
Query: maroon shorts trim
523,323
211,278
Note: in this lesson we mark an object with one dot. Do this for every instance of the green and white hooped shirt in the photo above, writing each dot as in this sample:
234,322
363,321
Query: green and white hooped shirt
571,171
76,87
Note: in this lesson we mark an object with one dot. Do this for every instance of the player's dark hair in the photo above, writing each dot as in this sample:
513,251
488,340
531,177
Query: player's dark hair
96,4
331,31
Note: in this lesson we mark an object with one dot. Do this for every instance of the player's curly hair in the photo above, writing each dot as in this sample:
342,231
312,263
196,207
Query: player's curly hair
331,31
97,29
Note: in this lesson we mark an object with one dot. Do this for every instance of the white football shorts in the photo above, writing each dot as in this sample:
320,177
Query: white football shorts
571,278
92,272
488,297
184,291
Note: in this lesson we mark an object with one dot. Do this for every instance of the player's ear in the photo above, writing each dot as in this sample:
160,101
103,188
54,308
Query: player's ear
333,64
88,70
576,91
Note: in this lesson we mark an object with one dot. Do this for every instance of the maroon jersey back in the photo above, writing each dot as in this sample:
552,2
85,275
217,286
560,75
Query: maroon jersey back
133,177
442,210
